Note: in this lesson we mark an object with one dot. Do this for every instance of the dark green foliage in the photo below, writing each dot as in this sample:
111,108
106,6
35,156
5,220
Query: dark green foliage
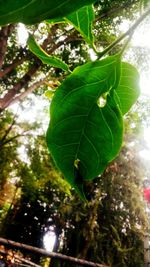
30,12
106,230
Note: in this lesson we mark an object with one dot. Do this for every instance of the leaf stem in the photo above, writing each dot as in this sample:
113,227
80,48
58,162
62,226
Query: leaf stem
129,32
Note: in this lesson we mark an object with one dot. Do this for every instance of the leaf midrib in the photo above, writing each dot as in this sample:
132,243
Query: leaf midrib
93,83
85,123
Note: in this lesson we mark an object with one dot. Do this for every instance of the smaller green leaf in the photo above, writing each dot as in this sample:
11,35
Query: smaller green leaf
49,94
44,57
128,90
82,20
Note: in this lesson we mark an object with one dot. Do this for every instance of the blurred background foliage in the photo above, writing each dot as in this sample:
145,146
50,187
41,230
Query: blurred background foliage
34,197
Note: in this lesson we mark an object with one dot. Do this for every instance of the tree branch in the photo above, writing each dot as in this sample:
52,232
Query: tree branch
18,61
14,95
9,97
49,254
22,57
29,90
23,83
74,36
4,34
124,35
2,140
11,139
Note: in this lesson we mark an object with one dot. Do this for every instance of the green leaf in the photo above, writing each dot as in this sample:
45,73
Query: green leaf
44,57
82,136
82,20
34,11
128,90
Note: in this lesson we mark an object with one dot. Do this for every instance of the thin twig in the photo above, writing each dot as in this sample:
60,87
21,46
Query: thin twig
124,35
30,89
8,130
115,10
4,34
15,256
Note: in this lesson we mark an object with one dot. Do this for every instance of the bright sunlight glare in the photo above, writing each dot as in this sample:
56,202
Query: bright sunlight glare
145,154
147,137
145,82
141,40
92,54
22,34
49,240
36,107
141,37
23,153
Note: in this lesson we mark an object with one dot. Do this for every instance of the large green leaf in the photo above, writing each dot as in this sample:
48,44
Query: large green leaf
33,11
82,136
44,57
128,90
82,20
